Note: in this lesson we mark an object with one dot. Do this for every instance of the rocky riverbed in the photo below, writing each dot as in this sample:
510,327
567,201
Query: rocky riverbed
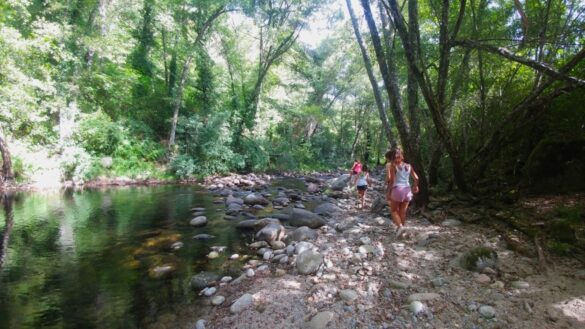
319,262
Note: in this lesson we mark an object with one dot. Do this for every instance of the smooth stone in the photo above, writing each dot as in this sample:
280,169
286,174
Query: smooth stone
366,249
284,260
416,307
520,285
497,285
250,273
258,244
217,300
487,312
423,296
348,295
303,246
267,255
198,221
301,234
204,237
209,291
226,279
213,255
202,279
241,303
321,319
200,324
277,258
177,245
308,262
290,250
438,282
262,268
277,245
234,256
397,284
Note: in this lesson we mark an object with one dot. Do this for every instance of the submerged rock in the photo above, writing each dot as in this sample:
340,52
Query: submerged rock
198,221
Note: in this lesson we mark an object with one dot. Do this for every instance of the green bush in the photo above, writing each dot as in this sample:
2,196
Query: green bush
98,134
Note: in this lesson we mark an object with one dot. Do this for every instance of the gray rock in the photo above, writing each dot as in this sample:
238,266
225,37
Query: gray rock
203,279
281,201
200,324
487,311
312,188
277,258
520,285
250,273
327,209
301,234
302,217
198,221
213,255
438,282
242,303
308,262
234,207
209,291
232,200
423,296
258,244
284,260
302,246
204,237
397,284
416,307
249,224
348,295
479,258
267,255
290,250
255,199
277,245
321,319
339,183
271,232
217,300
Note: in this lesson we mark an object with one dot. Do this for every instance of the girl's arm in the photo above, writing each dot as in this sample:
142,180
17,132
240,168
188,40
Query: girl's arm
390,174
415,178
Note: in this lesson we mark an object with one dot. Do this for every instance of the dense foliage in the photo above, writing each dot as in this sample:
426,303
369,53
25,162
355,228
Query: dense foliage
165,88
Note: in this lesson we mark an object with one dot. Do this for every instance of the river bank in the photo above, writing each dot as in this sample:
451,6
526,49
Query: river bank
348,269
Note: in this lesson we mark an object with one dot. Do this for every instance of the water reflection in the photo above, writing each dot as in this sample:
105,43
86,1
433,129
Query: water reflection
85,259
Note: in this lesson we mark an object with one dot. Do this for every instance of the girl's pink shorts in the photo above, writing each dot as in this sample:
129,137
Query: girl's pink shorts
401,194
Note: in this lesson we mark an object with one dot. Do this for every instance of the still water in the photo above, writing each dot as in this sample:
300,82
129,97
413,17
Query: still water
84,259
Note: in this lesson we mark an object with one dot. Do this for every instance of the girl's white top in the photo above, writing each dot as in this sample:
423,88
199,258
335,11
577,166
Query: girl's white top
362,181
402,175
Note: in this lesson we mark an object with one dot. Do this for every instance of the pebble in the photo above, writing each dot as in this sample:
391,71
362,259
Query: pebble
262,268
487,312
438,282
209,291
348,295
217,300
234,256
416,307
200,324
279,272
497,285
177,245
213,255
397,284
520,285
226,279
250,273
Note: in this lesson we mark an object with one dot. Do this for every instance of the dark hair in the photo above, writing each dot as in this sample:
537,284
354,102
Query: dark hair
391,154
365,168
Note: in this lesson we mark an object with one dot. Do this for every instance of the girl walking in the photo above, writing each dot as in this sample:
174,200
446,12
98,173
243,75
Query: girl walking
399,192
362,184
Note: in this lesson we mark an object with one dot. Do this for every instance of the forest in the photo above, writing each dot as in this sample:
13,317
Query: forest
489,92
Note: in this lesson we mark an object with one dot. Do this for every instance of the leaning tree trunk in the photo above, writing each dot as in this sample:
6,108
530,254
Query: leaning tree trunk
7,174
371,77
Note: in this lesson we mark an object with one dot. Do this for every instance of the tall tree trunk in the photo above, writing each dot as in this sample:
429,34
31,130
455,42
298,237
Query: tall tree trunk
434,165
368,64
7,174
411,149
412,85
434,103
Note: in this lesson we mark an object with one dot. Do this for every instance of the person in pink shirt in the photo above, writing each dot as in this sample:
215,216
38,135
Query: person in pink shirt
356,169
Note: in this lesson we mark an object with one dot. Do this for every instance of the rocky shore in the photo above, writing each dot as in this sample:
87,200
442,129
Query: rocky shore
319,262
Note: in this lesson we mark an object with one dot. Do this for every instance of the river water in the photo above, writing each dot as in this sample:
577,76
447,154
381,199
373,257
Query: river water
85,259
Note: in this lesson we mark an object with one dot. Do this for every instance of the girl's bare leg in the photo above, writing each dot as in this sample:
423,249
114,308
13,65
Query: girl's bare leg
403,208
395,211
363,199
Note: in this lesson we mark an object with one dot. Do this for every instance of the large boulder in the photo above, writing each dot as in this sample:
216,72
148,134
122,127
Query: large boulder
338,183
242,303
327,209
312,188
308,262
379,204
302,217
301,234
249,224
203,279
271,232
255,199
231,199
